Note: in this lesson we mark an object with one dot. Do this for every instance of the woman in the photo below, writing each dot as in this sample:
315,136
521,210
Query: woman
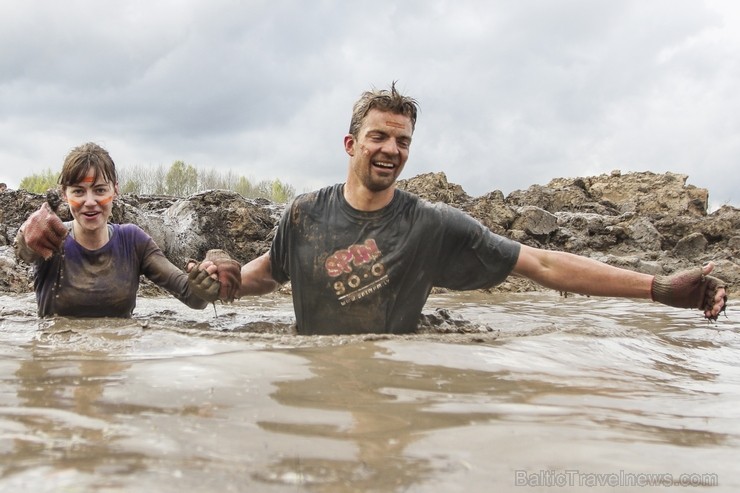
89,268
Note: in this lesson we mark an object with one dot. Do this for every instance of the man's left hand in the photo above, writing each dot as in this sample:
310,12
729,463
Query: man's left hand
693,288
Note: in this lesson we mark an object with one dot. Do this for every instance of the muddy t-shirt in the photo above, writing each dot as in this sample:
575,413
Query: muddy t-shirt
104,282
356,272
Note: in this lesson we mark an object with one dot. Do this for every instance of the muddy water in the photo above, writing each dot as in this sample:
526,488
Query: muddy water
510,393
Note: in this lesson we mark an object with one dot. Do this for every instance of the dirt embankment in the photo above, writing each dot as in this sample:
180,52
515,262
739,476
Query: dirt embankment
648,222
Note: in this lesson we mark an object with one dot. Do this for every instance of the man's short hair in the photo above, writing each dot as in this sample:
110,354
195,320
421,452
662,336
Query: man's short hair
383,100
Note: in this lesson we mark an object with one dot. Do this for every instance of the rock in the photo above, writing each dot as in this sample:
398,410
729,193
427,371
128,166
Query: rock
569,197
218,219
493,211
535,222
642,235
691,246
14,276
585,232
434,187
733,244
645,193
729,271
648,222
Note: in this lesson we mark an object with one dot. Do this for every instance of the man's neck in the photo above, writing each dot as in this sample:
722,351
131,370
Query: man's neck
362,199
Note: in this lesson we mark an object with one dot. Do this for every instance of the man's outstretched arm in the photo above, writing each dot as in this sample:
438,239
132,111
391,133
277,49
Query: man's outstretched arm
576,274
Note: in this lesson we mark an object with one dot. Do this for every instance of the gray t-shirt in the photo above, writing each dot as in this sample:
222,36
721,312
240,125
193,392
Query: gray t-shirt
357,272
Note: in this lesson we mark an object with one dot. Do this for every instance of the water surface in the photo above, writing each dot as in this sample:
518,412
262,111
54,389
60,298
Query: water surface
525,393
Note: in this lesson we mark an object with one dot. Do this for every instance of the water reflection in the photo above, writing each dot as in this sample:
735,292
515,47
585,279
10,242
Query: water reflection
58,417
399,393
383,423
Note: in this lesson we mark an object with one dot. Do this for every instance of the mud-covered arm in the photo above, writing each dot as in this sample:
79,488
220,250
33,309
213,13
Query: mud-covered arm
165,274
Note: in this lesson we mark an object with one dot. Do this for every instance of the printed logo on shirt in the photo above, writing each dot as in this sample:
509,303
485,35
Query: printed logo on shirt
357,270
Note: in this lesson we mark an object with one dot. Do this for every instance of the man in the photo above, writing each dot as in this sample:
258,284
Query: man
363,256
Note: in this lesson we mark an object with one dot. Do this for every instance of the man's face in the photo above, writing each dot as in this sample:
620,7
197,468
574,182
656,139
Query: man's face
380,150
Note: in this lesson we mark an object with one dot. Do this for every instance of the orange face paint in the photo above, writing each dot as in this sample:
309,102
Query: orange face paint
391,123
77,204
87,179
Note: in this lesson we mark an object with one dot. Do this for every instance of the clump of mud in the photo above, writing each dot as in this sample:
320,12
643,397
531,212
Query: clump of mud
276,331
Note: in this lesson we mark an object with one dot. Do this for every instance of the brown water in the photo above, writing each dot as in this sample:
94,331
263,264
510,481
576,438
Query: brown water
535,393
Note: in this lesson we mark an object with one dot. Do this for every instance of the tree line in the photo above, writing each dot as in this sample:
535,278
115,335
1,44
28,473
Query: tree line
180,180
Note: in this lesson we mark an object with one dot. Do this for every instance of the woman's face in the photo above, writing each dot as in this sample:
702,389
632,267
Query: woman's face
91,202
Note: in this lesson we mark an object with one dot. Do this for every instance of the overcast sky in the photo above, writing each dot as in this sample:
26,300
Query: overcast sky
512,93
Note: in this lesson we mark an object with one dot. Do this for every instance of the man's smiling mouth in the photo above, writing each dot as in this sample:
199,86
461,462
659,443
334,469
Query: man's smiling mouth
384,165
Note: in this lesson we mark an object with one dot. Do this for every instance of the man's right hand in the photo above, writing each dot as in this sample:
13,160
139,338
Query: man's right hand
43,232
227,272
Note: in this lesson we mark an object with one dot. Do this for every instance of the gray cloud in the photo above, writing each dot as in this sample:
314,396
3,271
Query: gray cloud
511,93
